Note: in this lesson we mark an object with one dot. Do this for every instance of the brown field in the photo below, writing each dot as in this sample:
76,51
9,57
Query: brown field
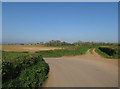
26,48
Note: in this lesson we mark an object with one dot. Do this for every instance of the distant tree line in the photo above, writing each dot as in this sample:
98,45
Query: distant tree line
57,43
79,43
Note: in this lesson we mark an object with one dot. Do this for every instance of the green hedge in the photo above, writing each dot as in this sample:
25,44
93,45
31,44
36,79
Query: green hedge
23,70
108,50
104,54
11,70
32,77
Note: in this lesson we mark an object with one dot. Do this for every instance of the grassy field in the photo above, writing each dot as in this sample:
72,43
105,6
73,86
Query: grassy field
67,51
26,48
44,51
56,51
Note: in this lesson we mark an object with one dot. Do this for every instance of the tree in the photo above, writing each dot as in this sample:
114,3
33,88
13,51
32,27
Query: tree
41,43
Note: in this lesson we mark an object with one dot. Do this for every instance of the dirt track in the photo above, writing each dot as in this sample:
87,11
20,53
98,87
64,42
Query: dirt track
89,70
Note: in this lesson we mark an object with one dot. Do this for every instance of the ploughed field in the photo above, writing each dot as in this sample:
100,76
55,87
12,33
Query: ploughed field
27,48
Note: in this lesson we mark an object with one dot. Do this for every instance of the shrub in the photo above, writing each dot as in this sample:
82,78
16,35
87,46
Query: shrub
31,77
11,70
108,50
25,70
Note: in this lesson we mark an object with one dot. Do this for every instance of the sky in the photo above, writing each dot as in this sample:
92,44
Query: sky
33,22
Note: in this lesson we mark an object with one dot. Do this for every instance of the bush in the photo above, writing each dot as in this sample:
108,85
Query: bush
23,70
11,70
31,77
108,51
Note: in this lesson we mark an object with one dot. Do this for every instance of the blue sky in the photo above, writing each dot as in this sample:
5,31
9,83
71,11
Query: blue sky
44,21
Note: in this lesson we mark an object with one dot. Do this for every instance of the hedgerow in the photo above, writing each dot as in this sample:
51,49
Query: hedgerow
108,50
25,71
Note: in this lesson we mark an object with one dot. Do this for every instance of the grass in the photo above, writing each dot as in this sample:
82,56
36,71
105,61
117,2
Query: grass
12,56
91,50
68,51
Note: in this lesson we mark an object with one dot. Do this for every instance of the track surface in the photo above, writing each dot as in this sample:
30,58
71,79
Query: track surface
89,70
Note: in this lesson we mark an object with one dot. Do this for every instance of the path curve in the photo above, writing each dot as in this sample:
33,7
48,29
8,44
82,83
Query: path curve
82,71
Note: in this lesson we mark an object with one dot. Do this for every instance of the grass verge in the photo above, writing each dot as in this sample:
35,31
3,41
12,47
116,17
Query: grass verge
68,51
91,50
